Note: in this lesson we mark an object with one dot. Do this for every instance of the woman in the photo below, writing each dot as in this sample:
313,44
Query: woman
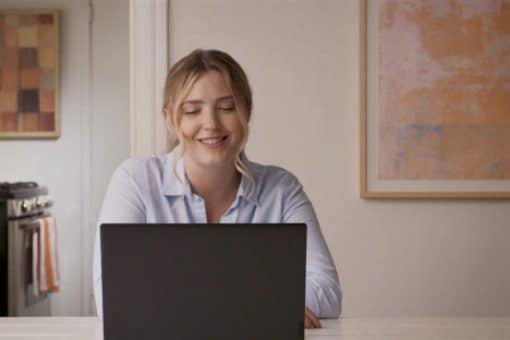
206,178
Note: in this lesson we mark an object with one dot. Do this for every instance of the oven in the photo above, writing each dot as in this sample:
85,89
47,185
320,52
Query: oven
21,205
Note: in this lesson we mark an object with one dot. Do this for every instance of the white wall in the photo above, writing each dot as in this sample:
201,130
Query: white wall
398,257
94,135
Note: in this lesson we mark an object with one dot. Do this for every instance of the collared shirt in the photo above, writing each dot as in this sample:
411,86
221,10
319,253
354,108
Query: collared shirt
156,190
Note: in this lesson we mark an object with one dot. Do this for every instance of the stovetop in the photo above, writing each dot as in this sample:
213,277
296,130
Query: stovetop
6,186
20,190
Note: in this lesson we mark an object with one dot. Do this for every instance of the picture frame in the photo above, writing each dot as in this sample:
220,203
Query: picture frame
434,124
29,74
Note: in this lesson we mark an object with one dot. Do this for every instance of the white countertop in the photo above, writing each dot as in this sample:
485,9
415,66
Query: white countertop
89,328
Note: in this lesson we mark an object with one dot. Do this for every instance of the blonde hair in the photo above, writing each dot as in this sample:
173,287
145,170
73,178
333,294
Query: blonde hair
181,78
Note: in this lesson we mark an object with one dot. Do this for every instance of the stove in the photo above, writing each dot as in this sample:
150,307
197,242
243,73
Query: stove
6,186
23,198
21,203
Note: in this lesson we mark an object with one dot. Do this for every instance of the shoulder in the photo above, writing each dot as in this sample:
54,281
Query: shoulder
140,165
143,169
272,178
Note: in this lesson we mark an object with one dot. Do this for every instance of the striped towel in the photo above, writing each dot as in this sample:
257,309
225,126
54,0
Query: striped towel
45,258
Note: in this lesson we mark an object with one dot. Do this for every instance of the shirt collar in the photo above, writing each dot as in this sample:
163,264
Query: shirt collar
175,182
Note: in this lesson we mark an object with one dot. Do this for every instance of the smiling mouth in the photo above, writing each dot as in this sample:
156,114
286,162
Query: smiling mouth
213,141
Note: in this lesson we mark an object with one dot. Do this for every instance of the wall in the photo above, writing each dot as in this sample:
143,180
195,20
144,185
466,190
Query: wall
395,258
94,135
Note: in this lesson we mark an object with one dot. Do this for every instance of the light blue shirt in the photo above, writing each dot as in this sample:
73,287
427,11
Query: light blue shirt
148,191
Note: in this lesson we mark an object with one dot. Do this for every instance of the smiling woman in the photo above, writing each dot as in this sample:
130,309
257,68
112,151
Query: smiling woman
207,178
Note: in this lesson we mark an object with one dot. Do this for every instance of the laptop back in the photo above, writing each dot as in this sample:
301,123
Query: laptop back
189,281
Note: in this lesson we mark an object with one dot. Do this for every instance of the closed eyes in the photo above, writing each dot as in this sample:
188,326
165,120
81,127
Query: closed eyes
191,112
230,108
197,110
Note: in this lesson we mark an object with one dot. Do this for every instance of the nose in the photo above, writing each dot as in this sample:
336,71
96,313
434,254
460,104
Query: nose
210,119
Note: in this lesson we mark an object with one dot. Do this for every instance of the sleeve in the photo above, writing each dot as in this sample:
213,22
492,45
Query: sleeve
323,292
122,204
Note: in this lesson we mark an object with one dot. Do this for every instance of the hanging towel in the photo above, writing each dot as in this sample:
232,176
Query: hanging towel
35,261
48,260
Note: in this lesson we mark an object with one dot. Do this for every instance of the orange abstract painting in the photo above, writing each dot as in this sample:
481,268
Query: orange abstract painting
443,89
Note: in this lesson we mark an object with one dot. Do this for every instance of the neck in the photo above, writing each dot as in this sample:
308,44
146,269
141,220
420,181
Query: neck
213,184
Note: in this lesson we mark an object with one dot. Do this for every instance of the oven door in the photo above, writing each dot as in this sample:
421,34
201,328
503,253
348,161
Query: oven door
22,299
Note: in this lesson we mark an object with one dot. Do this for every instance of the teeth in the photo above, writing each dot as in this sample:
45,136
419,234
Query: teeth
211,140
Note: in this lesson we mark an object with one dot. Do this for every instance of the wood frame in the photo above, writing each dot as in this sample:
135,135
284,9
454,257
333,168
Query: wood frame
366,191
55,131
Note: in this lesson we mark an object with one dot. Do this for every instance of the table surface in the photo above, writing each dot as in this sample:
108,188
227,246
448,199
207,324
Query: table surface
89,328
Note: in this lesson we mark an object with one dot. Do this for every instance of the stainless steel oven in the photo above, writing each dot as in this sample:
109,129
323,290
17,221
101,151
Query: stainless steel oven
21,205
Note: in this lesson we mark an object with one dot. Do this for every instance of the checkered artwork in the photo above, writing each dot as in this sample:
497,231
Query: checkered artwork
29,74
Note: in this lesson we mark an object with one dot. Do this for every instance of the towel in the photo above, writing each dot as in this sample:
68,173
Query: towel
45,257
35,261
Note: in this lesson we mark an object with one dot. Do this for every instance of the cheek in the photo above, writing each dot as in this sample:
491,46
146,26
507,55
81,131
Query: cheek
234,125
188,128
240,132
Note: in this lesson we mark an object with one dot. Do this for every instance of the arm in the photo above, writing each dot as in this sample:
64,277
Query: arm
122,204
323,293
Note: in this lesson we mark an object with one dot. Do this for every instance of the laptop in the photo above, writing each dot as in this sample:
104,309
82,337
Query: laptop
203,281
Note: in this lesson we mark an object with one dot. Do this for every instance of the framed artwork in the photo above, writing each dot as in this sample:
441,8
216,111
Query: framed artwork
29,74
435,99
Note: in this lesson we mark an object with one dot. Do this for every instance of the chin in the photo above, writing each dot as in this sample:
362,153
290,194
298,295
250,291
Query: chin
214,161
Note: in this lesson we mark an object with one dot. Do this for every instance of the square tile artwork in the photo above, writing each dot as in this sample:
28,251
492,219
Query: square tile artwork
29,61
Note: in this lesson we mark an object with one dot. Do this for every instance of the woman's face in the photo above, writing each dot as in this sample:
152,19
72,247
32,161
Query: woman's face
210,123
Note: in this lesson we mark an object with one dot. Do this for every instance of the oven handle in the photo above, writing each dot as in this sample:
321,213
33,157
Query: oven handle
31,222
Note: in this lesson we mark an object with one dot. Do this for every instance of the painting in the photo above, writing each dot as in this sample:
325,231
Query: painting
29,74
435,98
